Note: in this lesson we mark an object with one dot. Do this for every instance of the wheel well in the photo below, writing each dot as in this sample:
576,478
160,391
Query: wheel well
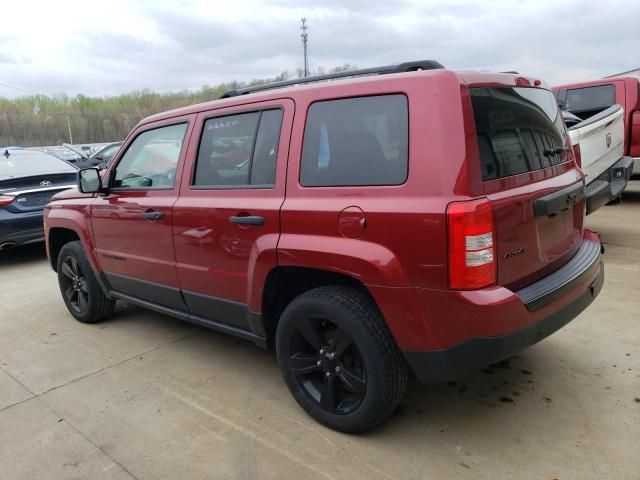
58,238
283,284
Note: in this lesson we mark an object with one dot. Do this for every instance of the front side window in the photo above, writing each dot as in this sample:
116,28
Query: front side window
239,150
356,142
152,159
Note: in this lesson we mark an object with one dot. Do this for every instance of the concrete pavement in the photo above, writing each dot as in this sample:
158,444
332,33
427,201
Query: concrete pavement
149,397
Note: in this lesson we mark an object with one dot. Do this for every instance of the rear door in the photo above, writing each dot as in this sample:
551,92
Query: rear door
227,219
132,224
531,180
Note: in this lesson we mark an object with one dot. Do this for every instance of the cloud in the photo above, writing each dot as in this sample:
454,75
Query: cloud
186,45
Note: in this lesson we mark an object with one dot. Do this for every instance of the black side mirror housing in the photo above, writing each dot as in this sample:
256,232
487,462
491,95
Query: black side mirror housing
89,181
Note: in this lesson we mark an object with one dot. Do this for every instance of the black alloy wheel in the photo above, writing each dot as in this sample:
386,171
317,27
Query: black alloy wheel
339,359
73,285
327,365
80,289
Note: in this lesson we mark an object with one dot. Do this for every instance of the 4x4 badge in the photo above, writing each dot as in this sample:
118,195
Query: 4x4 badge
513,253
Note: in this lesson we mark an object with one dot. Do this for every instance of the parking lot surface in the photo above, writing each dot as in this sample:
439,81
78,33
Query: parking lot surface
145,396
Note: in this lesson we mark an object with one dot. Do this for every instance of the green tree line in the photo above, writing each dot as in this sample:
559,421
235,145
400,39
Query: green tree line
40,120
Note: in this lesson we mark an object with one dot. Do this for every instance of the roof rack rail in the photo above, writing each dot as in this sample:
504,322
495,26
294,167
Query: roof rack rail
511,71
400,68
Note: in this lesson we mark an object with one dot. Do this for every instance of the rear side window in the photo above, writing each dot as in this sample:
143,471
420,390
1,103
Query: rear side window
356,141
519,130
239,150
590,100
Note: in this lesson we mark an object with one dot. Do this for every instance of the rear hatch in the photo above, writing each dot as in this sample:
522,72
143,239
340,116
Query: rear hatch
531,180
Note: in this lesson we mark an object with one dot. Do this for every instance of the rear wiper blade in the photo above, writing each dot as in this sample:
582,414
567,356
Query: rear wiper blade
554,151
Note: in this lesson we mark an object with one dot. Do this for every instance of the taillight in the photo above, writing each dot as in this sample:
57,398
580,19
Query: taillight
576,153
6,199
472,256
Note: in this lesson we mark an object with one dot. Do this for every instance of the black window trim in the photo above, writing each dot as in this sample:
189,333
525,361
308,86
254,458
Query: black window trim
330,99
112,172
252,109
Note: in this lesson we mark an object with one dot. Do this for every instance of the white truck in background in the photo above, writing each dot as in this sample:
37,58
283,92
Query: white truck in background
598,143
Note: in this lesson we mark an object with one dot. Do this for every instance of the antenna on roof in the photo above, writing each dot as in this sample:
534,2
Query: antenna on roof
6,153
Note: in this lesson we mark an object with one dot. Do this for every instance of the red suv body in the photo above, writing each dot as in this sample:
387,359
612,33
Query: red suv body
586,99
445,205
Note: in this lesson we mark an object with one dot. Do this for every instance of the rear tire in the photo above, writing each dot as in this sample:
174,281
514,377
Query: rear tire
339,359
80,290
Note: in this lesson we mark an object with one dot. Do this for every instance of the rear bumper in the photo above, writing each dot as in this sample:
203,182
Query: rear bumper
636,166
502,322
610,185
19,228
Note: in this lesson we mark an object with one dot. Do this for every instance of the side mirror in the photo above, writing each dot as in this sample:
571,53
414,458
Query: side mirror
89,180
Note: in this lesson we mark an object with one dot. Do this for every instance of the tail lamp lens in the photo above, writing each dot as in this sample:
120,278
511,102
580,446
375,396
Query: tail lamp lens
6,200
472,259
577,155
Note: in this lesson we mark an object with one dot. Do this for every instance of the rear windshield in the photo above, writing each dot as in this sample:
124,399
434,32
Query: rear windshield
590,99
519,130
23,164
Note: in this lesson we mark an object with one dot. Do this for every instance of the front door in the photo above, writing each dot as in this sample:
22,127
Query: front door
227,219
132,224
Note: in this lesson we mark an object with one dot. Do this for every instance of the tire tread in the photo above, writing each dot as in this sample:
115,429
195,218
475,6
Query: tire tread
389,360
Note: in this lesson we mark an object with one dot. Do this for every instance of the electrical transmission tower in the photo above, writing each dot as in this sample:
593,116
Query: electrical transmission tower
305,37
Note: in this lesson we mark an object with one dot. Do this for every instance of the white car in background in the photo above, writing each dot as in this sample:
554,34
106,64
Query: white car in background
598,143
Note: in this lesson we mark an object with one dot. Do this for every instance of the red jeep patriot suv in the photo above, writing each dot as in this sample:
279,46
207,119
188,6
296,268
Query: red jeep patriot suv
406,218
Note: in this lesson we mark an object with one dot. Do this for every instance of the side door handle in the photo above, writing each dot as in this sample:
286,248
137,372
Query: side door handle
247,219
152,215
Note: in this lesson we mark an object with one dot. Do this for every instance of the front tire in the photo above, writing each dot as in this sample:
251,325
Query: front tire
339,359
80,290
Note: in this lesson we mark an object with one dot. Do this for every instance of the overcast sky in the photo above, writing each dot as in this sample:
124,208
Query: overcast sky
116,46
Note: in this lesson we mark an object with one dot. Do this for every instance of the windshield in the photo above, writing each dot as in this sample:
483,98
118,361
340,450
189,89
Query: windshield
108,152
24,164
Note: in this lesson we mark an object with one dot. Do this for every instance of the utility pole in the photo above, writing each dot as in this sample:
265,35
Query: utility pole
304,37
69,127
